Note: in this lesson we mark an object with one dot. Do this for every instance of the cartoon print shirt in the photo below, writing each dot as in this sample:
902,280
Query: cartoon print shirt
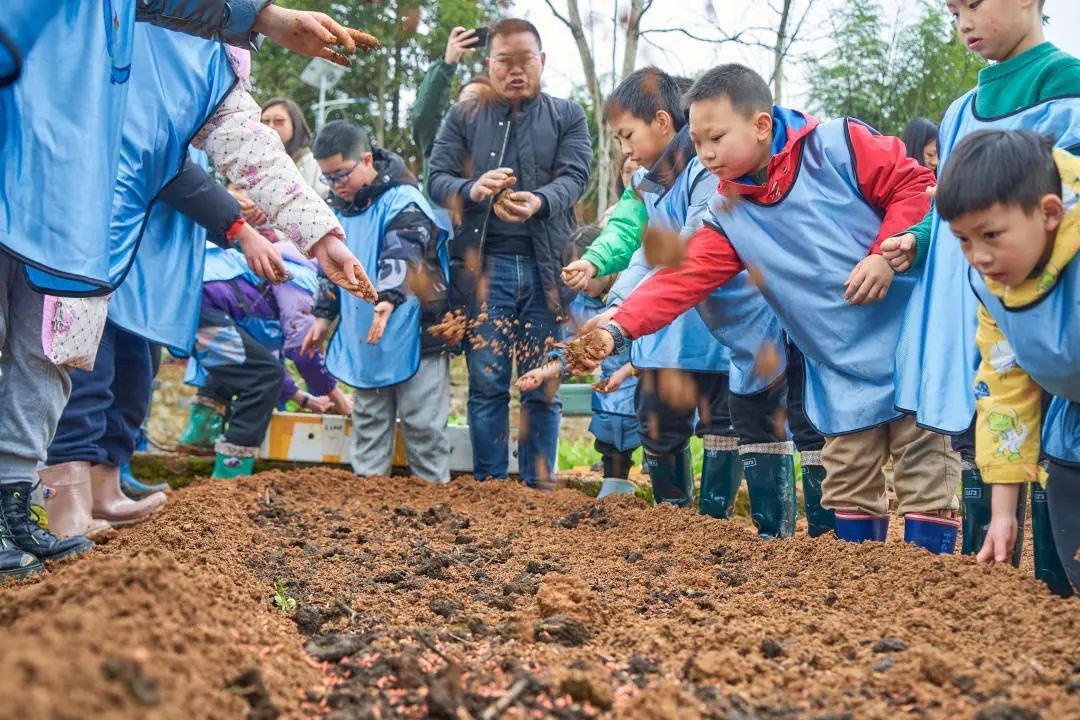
1009,402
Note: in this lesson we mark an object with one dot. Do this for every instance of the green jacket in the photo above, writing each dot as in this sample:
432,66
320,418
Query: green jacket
610,252
1042,73
432,101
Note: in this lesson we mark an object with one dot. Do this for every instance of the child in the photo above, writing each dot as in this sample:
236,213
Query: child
1032,86
804,203
645,112
614,421
400,370
1018,225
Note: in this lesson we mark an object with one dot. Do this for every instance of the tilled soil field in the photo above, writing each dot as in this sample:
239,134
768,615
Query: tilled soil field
486,600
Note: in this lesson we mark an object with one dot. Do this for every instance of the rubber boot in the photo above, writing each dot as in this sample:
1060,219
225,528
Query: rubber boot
721,475
769,470
233,461
14,561
112,505
69,500
616,486
135,488
672,477
977,512
861,527
1048,567
934,533
819,520
31,537
205,425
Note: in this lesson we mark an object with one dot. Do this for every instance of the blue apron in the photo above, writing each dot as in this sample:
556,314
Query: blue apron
686,343
936,358
176,85
60,128
1045,337
396,357
22,24
805,246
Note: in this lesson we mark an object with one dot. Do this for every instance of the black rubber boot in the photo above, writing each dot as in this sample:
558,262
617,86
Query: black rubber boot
721,475
672,477
977,512
819,520
1048,567
31,537
770,480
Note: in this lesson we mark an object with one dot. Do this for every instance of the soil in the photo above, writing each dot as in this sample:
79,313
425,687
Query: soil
484,600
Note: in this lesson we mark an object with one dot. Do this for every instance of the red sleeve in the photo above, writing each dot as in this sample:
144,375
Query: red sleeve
890,181
709,263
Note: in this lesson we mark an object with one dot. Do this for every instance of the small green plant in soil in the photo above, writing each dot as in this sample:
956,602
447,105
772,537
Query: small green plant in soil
282,601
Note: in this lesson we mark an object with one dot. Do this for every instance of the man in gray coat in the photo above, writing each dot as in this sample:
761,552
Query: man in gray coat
510,165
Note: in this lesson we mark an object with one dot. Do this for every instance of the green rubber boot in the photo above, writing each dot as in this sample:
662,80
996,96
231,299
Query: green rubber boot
721,475
1048,567
769,469
977,512
205,425
228,465
672,477
819,520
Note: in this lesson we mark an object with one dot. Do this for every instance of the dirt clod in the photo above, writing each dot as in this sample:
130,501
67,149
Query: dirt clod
889,644
129,675
331,647
562,630
771,649
252,688
1006,711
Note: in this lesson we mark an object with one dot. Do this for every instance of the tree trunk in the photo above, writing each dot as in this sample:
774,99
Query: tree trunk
380,100
780,51
633,32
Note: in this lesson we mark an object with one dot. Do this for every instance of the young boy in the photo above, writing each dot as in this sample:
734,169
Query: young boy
1032,85
1010,200
671,196
808,204
400,370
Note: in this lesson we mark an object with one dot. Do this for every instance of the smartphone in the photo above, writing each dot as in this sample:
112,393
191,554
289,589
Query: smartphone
481,38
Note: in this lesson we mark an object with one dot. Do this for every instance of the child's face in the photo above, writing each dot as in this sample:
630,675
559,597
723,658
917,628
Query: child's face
728,143
993,29
346,176
643,142
1006,244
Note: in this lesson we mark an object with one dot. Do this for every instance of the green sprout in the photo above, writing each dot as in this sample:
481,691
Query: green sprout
282,601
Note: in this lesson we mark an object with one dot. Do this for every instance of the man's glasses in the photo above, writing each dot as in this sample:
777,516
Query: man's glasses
339,177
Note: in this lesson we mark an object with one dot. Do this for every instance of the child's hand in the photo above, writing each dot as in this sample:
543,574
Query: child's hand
341,266
616,380
899,251
311,33
1001,536
318,404
584,354
342,403
577,274
262,257
315,338
530,380
869,281
378,323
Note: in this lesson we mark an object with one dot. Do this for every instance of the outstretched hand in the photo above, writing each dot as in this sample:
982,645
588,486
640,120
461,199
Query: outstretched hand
342,267
584,354
312,33
315,338
577,275
262,256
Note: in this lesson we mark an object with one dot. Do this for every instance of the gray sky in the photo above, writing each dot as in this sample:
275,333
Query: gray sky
680,54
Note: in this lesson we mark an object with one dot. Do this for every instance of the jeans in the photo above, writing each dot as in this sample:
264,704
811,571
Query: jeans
107,404
514,323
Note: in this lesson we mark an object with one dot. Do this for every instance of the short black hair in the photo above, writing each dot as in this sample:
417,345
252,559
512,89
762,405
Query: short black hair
917,135
646,92
511,26
748,92
580,239
344,137
997,166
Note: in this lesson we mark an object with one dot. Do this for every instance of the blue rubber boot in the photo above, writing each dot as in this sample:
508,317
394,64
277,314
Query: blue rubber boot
861,527
615,486
933,533
136,489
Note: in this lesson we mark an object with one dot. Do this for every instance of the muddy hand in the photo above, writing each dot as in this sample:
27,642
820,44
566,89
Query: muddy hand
312,33
342,267
313,341
378,322
577,274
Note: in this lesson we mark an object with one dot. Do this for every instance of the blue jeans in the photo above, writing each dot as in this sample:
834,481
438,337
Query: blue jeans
517,326
107,404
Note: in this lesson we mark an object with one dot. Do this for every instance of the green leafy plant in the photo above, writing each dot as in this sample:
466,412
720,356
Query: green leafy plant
282,601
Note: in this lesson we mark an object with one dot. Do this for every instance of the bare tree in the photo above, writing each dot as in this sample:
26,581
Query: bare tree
787,34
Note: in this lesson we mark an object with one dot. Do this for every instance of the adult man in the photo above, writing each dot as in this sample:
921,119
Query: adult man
506,255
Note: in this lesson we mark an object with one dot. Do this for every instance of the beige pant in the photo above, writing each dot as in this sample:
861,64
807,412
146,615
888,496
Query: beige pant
925,470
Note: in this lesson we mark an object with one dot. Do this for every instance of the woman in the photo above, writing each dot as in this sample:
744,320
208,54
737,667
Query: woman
920,139
285,116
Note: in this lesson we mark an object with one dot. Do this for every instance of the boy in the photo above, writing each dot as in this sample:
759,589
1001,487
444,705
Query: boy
1032,86
646,113
804,203
1018,226
402,370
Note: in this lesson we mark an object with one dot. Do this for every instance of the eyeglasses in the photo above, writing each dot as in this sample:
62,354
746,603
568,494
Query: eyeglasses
339,177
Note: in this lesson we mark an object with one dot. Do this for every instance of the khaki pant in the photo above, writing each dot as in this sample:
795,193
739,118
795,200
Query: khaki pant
925,470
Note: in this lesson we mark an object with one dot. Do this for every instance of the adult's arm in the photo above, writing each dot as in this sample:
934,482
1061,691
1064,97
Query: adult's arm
573,165
445,182
432,99
195,194
710,262
229,21
613,249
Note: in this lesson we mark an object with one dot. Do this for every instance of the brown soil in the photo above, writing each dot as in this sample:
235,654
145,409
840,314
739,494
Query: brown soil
483,600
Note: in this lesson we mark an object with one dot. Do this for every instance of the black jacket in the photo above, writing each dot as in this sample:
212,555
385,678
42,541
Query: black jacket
555,152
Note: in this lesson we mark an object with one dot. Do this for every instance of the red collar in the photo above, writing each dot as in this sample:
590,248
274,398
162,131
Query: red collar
780,173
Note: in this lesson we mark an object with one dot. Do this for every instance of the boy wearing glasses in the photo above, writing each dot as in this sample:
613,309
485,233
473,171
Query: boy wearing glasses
399,369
